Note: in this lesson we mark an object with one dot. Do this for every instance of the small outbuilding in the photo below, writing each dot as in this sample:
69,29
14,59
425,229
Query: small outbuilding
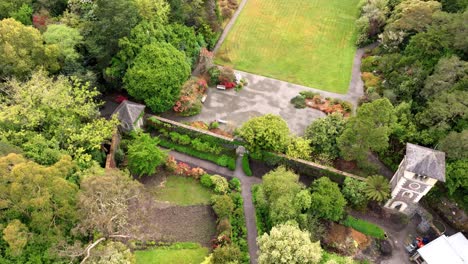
130,115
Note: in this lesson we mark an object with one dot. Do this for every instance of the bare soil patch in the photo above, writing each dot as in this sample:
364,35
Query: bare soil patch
165,222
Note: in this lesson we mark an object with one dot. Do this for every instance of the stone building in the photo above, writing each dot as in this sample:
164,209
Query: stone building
130,115
418,172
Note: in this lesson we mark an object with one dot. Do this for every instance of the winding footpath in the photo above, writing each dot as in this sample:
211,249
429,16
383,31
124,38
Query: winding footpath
246,192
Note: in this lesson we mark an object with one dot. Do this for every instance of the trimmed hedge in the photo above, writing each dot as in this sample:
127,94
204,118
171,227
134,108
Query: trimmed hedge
246,165
364,227
262,217
223,160
155,125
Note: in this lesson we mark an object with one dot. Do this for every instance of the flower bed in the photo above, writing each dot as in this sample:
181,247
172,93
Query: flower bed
326,105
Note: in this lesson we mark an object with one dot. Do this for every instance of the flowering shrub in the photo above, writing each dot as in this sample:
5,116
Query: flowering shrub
120,98
196,173
220,241
182,168
229,85
171,164
189,103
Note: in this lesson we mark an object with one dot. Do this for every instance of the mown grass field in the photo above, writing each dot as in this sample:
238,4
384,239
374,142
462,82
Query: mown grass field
307,42
180,190
172,255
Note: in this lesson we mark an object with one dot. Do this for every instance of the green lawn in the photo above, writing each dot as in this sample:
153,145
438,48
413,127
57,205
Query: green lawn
182,191
171,256
307,42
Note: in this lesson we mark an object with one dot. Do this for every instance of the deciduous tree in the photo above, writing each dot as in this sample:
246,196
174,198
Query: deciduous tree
22,50
368,130
63,112
144,155
268,132
323,134
286,243
326,199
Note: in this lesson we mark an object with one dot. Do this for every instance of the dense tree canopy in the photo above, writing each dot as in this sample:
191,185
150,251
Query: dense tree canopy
22,50
145,81
323,134
38,206
66,38
368,130
63,114
281,189
110,21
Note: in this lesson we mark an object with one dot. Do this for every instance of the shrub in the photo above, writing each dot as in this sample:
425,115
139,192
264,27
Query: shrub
214,125
222,205
308,94
298,101
227,75
347,106
231,164
369,64
246,165
171,164
317,99
227,13
227,254
220,184
214,73
224,227
235,184
364,227
205,180
370,80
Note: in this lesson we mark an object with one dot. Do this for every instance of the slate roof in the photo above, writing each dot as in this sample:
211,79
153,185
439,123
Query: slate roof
128,111
425,161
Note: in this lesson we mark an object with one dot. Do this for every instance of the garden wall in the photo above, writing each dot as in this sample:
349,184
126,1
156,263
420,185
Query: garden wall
308,168
189,129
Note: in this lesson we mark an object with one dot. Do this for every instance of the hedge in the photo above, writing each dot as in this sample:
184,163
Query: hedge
223,160
364,227
246,165
262,220
155,125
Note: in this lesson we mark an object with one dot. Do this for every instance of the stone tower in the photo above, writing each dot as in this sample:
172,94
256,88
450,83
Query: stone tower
419,170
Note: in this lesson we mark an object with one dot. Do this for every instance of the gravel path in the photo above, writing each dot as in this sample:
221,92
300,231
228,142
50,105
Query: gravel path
246,183
229,26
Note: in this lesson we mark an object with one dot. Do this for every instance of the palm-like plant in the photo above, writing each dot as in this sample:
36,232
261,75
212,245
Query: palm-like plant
377,188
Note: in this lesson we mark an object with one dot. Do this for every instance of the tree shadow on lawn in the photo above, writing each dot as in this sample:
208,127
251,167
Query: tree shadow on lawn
165,222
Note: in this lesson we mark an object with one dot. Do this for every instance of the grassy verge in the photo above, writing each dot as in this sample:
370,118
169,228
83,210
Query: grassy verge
183,191
179,253
246,165
364,227
223,160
